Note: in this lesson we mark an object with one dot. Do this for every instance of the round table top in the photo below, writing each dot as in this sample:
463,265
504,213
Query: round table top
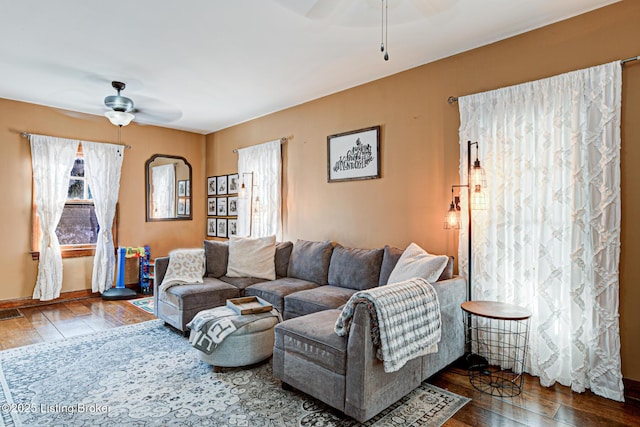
496,310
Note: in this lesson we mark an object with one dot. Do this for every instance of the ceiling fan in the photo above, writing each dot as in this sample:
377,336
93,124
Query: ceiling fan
121,106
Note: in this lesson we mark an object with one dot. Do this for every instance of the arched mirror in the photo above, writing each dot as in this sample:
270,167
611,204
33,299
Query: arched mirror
168,180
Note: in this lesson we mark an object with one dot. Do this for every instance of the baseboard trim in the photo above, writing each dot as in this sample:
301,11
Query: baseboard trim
631,389
30,302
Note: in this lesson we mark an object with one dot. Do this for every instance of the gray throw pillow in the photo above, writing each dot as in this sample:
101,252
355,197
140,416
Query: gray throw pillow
283,253
216,257
389,260
355,268
310,261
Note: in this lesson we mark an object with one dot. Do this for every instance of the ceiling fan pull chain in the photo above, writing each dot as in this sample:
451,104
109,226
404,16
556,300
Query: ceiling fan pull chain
382,27
385,29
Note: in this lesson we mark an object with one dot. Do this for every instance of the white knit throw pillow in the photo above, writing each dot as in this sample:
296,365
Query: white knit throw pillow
416,262
252,257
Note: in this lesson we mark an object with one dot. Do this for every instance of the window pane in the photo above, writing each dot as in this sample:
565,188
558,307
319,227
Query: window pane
76,189
78,168
78,225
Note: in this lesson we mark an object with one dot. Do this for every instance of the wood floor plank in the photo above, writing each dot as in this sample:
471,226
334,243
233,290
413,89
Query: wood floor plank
77,308
503,407
577,417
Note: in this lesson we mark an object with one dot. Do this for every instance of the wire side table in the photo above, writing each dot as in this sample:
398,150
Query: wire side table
498,334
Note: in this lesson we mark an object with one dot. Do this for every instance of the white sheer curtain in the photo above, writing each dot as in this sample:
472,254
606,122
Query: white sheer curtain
52,160
163,201
103,164
551,238
260,212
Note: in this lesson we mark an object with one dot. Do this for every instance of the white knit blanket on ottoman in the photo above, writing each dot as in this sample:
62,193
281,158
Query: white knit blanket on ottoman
405,320
185,266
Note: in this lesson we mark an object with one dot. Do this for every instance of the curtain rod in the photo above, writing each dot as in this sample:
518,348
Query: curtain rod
282,141
27,135
454,99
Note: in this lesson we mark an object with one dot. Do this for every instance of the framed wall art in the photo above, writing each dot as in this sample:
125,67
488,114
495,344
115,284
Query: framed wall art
233,183
232,206
221,205
211,227
211,206
232,227
221,182
211,186
182,188
221,225
354,155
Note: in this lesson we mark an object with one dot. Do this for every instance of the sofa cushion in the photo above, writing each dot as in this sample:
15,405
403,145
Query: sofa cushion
317,299
312,338
210,293
216,254
274,291
355,268
310,261
391,257
252,257
283,253
416,262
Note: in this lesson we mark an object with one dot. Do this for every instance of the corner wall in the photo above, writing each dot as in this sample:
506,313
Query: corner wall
18,270
420,151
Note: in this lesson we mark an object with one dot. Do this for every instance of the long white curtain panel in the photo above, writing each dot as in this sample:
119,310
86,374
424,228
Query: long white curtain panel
103,165
551,238
52,159
260,211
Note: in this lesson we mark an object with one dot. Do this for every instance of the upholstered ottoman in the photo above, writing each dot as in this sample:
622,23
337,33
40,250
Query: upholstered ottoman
249,344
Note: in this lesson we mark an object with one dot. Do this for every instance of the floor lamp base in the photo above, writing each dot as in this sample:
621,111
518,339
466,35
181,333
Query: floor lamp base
472,362
119,293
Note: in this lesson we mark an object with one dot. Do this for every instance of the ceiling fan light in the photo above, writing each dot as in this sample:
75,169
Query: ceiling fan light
119,118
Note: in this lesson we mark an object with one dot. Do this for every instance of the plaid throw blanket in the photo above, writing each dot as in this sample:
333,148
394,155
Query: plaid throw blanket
185,266
210,327
405,320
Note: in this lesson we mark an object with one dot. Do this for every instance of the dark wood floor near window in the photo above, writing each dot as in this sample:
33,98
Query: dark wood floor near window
536,406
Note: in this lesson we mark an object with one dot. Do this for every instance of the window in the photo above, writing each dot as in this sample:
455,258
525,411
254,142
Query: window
78,228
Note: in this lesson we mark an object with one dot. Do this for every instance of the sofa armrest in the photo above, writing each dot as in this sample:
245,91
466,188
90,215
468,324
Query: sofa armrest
160,269
369,389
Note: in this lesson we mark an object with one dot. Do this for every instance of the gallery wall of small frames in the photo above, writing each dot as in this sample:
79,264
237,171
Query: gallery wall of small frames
222,205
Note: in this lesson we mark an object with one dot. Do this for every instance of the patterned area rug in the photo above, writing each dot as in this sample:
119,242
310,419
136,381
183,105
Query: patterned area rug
146,374
145,303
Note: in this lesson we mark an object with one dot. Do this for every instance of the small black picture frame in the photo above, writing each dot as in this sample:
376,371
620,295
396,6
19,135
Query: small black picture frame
221,185
211,206
221,227
211,227
211,186
221,206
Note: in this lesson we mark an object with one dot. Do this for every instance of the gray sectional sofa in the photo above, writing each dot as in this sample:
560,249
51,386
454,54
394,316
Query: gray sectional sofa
313,280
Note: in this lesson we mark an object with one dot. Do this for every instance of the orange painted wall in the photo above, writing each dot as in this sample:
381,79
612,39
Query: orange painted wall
420,152
18,270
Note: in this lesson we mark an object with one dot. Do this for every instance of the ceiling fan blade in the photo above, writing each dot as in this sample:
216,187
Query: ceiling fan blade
323,9
155,110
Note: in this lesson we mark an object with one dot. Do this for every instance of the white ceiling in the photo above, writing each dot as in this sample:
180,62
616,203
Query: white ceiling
203,65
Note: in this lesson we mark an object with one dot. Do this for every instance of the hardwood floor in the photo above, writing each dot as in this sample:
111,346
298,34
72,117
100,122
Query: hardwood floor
57,321
536,406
